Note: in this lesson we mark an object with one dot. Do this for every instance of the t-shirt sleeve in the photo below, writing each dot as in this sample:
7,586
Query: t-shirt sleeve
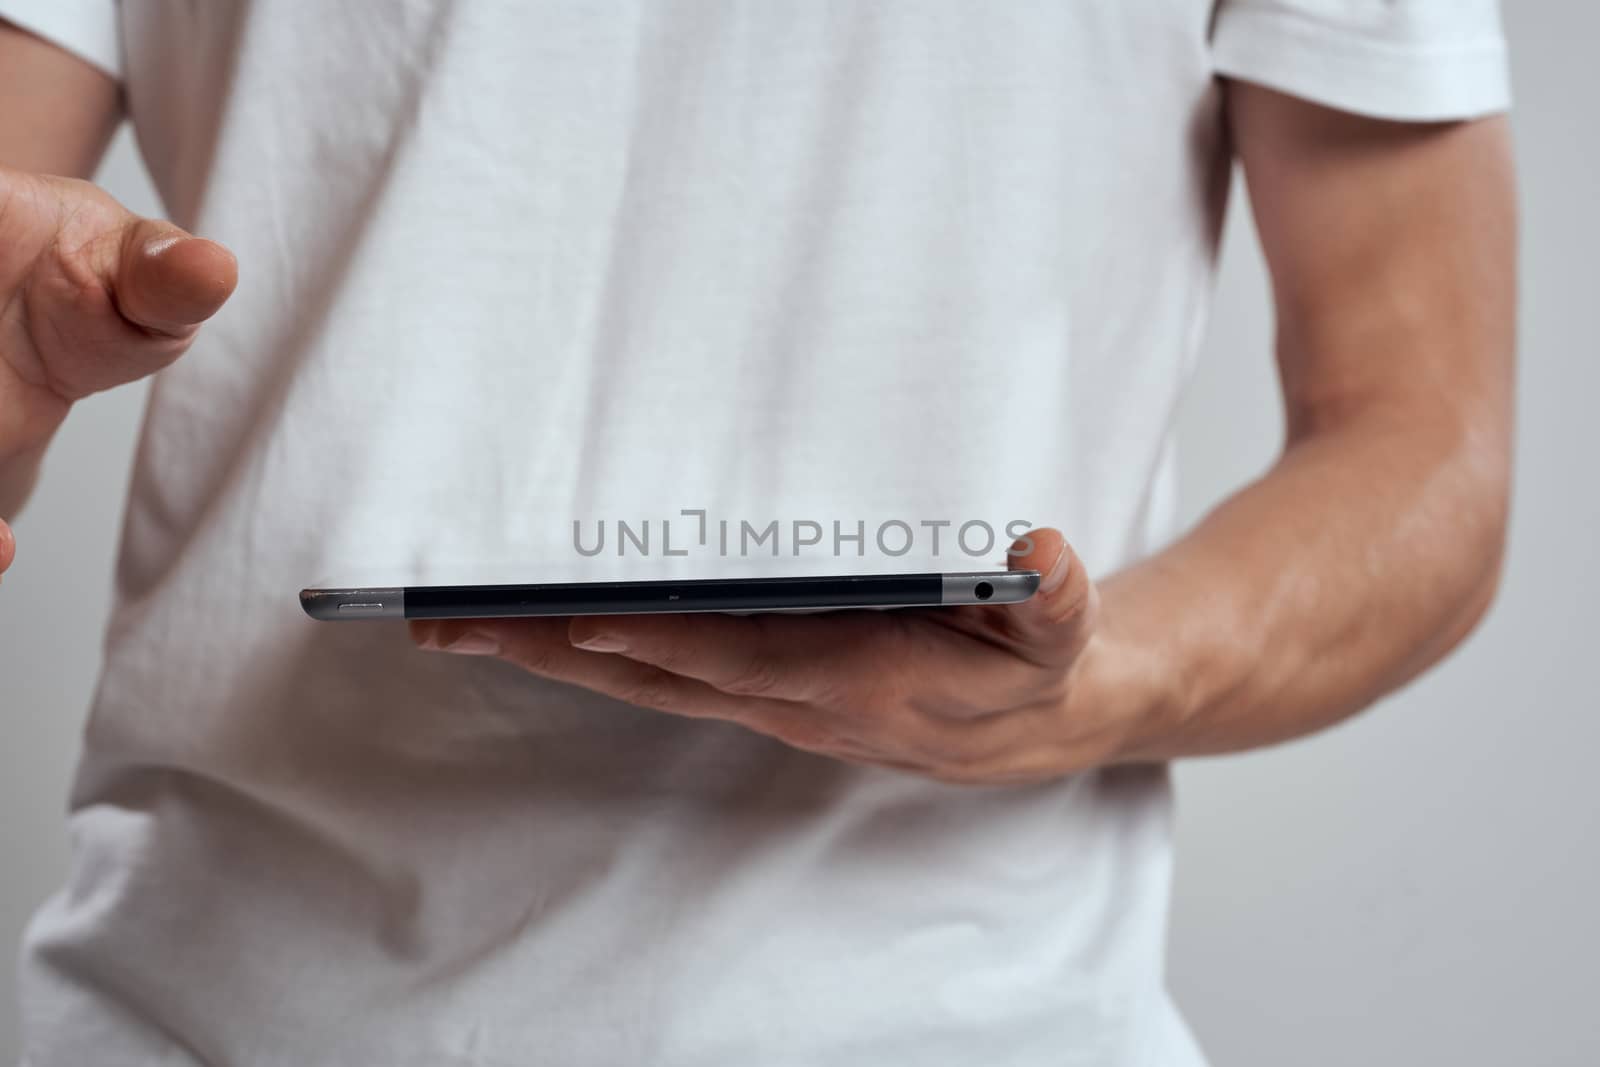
88,28
1411,60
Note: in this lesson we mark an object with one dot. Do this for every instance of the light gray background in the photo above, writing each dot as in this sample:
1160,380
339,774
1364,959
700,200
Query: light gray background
1417,887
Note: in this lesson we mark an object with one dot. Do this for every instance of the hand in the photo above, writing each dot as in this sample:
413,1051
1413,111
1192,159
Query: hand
987,694
91,297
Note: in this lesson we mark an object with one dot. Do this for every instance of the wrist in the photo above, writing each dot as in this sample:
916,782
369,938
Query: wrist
1154,664
1133,691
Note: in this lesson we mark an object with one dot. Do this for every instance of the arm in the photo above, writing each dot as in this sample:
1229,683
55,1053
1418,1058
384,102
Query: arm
1374,545
91,296
1370,548
57,114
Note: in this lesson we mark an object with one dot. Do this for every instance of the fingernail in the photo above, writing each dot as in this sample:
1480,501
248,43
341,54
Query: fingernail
1057,573
470,643
601,643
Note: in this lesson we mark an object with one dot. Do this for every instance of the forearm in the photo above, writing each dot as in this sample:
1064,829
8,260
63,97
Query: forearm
1360,559
1374,544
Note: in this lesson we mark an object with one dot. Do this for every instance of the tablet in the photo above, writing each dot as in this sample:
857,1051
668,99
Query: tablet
670,596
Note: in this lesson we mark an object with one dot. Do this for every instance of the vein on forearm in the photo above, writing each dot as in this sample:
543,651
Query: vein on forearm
1362,557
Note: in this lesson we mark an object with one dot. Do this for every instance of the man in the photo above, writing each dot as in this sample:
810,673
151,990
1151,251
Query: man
503,267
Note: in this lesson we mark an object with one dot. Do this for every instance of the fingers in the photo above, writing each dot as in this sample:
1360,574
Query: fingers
846,659
541,647
1052,627
169,282
8,547
798,658
947,666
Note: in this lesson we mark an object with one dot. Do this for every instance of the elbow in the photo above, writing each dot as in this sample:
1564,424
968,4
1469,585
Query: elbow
1483,584
1478,521
1488,570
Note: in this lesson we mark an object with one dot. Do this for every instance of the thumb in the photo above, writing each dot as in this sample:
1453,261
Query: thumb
168,281
1055,623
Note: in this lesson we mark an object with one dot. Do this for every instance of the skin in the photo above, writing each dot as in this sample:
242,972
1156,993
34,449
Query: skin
91,295
1367,552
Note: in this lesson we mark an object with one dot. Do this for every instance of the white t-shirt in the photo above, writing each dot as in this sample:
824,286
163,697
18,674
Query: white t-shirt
510,265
